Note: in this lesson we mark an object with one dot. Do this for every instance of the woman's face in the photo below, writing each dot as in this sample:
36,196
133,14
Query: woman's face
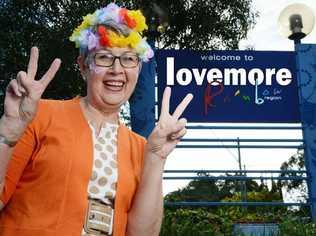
109,85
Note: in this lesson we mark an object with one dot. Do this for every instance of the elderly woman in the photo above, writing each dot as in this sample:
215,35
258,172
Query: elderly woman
70,167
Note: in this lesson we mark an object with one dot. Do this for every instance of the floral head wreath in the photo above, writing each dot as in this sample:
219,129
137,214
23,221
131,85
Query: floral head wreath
113,26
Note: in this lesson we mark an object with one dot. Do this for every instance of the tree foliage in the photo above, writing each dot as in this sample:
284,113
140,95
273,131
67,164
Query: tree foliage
213,190
226,190
297,188
219,220
210,24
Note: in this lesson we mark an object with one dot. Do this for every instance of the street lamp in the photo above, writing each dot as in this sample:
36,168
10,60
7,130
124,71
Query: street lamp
296,21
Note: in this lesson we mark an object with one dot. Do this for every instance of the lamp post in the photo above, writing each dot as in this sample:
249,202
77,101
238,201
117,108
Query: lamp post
295,22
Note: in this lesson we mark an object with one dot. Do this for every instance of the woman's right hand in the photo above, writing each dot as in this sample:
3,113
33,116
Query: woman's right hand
23,94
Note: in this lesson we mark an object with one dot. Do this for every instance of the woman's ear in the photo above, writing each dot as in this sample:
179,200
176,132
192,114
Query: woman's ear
83,66
81,63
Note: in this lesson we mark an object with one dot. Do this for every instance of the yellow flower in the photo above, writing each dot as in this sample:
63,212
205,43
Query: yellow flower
120,41
140,20
134,38
89,19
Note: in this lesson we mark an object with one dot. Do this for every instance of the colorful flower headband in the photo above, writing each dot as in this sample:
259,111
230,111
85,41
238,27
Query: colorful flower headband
113,26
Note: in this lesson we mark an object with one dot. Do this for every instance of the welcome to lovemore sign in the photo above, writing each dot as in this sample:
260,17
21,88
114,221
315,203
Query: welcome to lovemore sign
231,86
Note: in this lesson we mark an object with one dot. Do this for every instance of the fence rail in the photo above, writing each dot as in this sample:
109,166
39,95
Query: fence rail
237,171
285,127
208,204
234,178
240,146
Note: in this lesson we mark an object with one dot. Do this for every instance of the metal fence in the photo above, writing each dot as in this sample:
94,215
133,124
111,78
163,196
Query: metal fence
238,175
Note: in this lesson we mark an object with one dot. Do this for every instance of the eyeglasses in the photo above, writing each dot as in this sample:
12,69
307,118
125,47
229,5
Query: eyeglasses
127,60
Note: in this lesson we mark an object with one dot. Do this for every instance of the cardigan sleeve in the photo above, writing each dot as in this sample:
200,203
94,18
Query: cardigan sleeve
139,148
27,145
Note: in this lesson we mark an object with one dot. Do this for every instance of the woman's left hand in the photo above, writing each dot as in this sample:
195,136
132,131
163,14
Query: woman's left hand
169,129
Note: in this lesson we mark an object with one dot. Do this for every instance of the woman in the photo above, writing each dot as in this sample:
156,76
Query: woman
70,167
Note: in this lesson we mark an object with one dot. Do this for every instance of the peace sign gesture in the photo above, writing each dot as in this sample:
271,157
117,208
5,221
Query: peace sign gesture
24,92
169,129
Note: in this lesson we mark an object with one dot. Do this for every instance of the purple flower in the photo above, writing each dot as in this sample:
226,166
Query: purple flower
93,41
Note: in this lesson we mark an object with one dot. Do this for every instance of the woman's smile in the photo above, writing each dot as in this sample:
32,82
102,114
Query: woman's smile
114,85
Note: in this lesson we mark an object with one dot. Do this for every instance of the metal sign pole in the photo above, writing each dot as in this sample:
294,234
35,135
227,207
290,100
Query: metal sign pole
306,68
142,103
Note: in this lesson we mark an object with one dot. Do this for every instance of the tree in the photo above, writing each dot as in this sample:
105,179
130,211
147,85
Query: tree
219,190
296,188
210,24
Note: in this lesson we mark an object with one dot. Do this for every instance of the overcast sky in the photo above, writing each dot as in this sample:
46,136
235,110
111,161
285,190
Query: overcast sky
264,36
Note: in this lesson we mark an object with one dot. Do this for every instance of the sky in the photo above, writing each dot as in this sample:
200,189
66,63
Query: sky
264,36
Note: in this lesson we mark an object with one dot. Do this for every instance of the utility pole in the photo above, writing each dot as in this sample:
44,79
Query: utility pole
243,187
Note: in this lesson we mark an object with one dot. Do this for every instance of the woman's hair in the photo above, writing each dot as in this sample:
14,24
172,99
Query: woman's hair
113,26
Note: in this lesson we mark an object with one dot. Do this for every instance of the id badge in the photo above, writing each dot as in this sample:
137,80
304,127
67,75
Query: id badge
99,218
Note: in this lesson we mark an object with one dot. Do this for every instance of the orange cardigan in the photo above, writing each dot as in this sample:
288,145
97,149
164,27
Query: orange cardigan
45,190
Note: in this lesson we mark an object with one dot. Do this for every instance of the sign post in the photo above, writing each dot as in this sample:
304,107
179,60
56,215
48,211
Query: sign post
306,68
142,103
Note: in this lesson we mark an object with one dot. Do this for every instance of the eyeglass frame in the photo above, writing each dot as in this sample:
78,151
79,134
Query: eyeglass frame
114,59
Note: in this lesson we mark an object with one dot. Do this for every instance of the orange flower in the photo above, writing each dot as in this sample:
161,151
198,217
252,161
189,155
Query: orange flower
130,22
104,39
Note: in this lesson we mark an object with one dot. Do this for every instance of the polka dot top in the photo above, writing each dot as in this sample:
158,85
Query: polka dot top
102,184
